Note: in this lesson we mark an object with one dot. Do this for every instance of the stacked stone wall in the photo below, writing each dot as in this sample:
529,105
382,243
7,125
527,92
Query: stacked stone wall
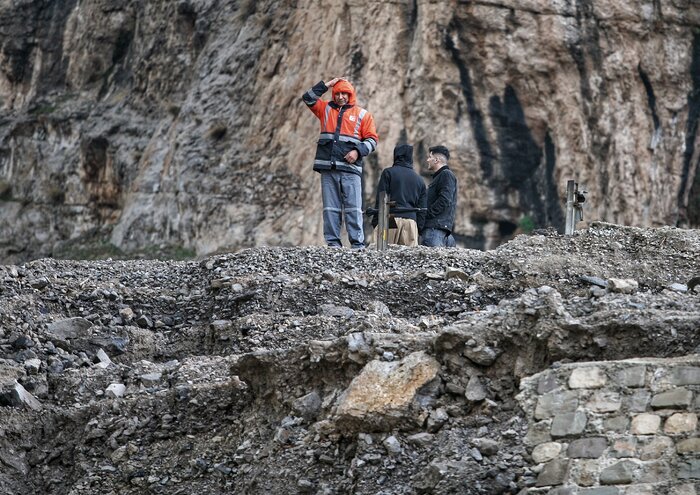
615,428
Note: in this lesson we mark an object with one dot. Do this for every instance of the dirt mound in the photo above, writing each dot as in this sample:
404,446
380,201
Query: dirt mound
315,370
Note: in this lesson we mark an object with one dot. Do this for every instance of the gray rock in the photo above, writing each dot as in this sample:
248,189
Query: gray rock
476,454
480,354
672,399
563,490
597,281
112,345
556,402
568,424
16,395
553,473
115,390
103,359
538,433
283,435
624,286
632,377
307,406
621,473
144,322
32,366
39,283
547,383
23,342
335,311
9,457
587,448
127,314
379,308
603,490
70,328
689,469
305,486
454,389
486,446
598,292
546,452
422,439
455,273
685,375
638,401
475,391
437,419
151,379
392,445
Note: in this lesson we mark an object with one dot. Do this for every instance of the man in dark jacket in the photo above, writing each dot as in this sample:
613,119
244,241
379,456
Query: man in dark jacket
407,190
442,201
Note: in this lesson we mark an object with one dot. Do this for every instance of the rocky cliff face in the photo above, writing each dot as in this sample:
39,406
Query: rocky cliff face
178,123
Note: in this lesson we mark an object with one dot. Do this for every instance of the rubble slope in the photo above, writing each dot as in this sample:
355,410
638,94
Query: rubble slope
317,370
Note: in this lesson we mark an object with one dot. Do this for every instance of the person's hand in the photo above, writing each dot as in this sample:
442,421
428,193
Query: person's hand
333,81
352,156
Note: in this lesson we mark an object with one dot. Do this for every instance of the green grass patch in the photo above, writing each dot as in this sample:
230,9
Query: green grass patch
526,224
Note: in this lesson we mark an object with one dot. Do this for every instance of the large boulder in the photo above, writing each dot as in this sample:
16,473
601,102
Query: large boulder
386,395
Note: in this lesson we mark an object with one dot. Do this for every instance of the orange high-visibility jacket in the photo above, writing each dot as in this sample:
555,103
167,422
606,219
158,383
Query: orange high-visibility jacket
343,129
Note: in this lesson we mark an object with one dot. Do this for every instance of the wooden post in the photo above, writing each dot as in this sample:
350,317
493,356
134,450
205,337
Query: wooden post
570,212
383,224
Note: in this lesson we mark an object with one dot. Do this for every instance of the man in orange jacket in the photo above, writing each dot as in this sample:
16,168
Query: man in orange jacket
347,136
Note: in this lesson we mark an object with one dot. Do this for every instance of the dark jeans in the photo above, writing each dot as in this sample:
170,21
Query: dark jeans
437,238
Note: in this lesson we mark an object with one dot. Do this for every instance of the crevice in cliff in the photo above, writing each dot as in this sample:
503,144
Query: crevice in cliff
99,177
651,98
476,117
51,21
520,164
689,190
413,16
587,46
553,208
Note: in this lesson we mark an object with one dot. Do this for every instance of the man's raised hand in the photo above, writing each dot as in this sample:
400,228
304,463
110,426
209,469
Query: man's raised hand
333,81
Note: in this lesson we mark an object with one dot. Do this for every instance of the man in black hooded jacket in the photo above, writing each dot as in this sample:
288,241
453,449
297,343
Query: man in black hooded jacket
442,201
407,190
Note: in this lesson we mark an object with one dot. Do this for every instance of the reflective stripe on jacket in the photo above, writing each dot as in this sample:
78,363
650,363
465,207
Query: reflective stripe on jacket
343,129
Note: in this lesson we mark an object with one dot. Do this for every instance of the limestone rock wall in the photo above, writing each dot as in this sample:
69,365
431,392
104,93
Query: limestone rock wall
179,122
616,427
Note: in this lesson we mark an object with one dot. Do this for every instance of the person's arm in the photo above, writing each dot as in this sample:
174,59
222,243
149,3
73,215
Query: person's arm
446,190
312,97
422,204
368,135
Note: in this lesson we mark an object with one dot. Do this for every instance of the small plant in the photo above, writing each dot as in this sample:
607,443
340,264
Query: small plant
526,224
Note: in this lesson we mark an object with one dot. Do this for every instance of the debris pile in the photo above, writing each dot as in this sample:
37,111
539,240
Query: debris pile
327,371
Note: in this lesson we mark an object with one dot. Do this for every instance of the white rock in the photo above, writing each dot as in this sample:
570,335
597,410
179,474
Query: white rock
115,390
623,285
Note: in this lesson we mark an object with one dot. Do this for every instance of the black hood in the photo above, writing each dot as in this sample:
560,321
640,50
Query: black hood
403,155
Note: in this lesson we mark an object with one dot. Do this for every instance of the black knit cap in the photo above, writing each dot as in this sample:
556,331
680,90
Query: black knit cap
440,149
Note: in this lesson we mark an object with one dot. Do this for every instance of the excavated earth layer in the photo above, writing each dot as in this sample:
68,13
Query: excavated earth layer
316,370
